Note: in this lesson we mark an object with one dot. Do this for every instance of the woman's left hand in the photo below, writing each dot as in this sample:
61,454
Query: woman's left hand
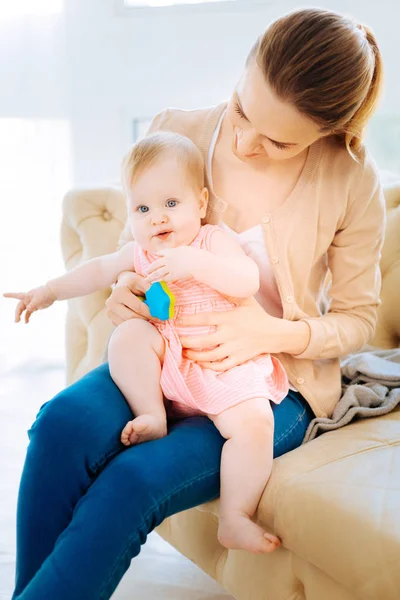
241,334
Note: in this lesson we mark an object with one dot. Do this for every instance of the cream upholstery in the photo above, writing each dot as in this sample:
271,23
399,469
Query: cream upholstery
334,502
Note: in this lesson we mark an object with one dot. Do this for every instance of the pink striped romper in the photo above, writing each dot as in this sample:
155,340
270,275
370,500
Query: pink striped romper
194,389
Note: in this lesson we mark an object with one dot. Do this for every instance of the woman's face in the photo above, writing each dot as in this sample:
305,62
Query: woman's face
263,125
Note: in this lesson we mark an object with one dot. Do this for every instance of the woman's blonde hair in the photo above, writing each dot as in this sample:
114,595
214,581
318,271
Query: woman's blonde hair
328,66
150,149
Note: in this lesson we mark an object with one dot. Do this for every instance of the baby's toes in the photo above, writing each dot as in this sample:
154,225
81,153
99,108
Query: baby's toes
270,543
273,539
125,434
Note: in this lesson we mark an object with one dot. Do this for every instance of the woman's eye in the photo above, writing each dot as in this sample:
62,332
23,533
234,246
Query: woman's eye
238,111
280,146
171,203
142,209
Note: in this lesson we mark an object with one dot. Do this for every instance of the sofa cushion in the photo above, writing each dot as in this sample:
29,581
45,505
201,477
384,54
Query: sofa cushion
334,502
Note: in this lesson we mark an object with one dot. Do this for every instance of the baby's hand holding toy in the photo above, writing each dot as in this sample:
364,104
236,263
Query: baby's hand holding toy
35,299
175,263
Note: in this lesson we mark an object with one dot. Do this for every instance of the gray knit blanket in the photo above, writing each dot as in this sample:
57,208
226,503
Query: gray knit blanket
371,387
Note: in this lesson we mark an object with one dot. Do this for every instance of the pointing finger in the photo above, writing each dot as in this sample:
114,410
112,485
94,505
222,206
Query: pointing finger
16,295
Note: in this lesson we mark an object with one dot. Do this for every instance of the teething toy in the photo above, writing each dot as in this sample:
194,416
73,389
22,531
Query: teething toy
160,300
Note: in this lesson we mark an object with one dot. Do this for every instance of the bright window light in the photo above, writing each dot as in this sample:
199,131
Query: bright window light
24,8
154,3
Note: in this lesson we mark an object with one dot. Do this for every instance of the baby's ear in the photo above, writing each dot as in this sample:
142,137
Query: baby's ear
203,202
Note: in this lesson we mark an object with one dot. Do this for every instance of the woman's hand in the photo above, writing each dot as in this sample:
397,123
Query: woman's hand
242,334
29,302
123,303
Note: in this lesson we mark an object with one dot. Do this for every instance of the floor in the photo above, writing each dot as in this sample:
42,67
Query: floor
25,383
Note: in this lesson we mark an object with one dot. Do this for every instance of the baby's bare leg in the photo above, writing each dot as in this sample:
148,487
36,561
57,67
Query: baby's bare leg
245,469
135,355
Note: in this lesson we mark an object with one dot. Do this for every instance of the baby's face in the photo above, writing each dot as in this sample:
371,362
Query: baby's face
165,207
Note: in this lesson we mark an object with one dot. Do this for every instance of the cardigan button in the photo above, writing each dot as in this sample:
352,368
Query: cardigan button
300,380
275,259
266,220
289,298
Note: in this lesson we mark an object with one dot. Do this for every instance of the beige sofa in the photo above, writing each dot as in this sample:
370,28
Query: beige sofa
335,502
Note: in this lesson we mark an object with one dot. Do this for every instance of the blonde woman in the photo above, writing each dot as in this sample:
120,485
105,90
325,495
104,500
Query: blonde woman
288,177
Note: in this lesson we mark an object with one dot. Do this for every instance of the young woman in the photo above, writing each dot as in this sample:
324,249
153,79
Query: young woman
289,176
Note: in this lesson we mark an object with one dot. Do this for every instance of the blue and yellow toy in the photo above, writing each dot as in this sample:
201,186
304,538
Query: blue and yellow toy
160,300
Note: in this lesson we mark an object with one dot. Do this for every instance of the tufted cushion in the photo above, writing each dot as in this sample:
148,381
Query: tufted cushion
91,225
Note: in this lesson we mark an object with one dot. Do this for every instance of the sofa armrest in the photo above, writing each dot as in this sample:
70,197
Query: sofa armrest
91,225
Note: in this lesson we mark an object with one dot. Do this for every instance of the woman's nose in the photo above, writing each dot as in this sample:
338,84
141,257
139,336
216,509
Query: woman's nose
247,142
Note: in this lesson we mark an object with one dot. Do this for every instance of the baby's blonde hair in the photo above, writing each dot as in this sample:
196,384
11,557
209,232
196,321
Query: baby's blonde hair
156,146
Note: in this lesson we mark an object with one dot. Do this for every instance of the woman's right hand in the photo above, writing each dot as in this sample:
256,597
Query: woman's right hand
123,303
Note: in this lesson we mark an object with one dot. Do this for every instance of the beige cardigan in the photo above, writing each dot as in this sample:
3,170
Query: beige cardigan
330,229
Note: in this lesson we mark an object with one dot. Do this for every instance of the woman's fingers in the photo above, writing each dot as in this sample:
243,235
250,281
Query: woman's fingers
114,318
211,318
220,366
122,298
241,301
142,285
140,308
216,354
123,305
120,313
200,341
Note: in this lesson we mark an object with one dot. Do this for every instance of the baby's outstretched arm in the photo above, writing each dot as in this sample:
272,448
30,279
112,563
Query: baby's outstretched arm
226,267
93,275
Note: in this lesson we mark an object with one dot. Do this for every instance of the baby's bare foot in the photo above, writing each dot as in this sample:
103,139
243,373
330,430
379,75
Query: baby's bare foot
239,532
143,429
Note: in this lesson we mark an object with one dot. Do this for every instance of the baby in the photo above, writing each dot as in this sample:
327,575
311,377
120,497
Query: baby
163,178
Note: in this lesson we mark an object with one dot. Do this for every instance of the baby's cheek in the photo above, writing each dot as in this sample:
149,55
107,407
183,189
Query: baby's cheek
141,236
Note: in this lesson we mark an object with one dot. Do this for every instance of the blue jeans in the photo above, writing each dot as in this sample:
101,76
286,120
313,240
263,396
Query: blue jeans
86,503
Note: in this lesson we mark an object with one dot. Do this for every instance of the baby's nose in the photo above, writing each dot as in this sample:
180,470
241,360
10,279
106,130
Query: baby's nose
159,217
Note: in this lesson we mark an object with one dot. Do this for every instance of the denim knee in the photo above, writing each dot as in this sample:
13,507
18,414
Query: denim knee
88,414
59,424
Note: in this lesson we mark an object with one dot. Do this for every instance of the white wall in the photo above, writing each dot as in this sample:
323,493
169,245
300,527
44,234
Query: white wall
100,70
71,84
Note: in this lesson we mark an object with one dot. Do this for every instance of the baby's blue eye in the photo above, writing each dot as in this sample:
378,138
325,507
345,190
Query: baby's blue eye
171,203
142,209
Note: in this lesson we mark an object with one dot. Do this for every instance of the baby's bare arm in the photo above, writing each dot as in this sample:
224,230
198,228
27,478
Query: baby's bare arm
227,269
93,275
89,277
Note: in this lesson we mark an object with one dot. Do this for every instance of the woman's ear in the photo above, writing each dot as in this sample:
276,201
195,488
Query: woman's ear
203,202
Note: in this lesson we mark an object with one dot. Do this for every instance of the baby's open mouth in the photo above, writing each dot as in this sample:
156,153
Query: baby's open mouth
163,234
